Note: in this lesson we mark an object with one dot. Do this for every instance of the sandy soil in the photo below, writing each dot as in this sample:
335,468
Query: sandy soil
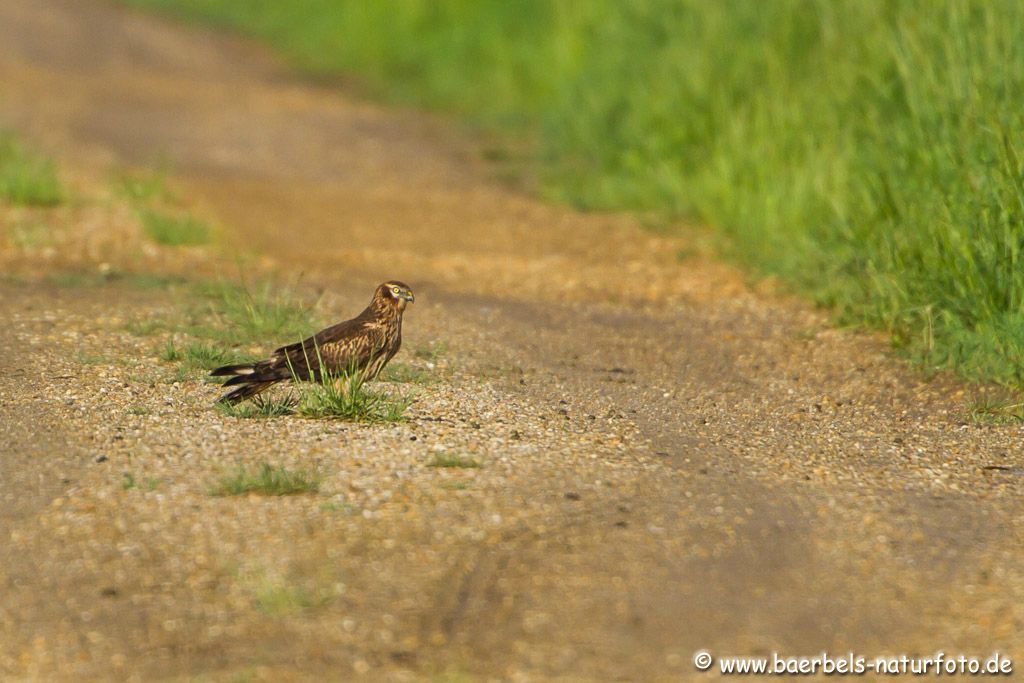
670,460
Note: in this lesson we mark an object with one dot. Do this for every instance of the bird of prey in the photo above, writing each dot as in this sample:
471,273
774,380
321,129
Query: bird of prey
363,344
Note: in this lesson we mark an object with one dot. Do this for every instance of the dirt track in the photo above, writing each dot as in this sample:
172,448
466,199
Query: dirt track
672,461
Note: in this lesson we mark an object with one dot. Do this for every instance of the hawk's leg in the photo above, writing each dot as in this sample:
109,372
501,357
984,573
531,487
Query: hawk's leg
342,386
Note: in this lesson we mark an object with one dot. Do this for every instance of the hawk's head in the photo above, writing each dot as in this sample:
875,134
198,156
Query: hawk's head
394,294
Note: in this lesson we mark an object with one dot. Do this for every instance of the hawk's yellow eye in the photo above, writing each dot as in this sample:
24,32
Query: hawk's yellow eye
395,290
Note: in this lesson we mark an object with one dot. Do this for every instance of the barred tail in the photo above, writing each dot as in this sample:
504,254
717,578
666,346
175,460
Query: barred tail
248,390
229,370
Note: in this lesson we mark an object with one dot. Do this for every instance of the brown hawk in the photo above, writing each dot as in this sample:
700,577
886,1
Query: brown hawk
364,344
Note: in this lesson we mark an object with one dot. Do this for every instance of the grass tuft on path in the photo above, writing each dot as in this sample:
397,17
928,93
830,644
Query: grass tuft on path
346,396
343,397
284,599
995,409
268,480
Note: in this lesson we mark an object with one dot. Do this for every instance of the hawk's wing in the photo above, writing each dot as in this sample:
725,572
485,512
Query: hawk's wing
341,347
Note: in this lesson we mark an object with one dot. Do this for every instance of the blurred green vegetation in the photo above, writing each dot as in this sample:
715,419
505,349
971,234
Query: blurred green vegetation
26,178
172,230
867,152
161,214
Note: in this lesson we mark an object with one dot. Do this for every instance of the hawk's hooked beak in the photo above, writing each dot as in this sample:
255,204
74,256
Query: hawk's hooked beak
409,296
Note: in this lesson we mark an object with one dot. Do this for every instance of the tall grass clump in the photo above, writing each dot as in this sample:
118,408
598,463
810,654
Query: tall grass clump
345,396
342,396
871,154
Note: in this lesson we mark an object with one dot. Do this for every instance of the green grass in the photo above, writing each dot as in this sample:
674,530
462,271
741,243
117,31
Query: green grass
867,153
174,229
217,318
277,595
26,178
245,314
144,187
179,375
343,397
990,409
164,220
170,352
222,323
334,506
282,599
83,358
128,482
195,358
268,480
346,396
199,355
228,313
145,327
453,460
261,406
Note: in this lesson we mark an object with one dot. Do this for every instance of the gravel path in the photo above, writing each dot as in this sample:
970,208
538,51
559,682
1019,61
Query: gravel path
669,460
